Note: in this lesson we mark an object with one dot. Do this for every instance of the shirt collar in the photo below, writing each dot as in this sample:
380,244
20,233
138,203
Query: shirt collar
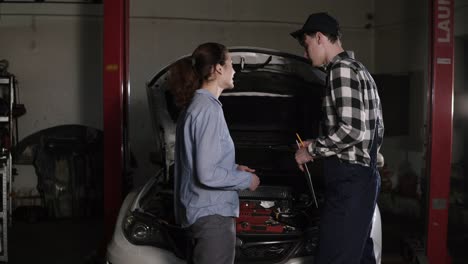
340,56
210,95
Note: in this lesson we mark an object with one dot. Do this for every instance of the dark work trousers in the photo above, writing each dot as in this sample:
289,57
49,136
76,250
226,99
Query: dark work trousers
213,240
350,197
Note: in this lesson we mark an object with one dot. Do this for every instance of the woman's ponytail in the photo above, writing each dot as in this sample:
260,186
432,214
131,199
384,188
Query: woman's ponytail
188,74
183,81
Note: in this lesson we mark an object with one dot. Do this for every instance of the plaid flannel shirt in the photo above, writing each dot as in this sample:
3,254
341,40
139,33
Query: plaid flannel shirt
352,107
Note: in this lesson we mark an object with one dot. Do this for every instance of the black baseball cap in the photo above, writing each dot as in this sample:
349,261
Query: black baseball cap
316,22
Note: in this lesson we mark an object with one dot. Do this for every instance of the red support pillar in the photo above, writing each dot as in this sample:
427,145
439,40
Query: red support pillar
441,118
115,93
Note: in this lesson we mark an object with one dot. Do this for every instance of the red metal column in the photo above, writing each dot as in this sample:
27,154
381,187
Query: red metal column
115,81
441,115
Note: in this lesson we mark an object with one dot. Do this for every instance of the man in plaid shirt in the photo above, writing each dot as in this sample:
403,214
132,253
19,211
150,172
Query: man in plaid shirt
349,145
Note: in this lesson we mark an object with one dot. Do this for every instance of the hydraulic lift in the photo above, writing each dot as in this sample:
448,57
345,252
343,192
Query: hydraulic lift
115,96
440,114
434,250
440,126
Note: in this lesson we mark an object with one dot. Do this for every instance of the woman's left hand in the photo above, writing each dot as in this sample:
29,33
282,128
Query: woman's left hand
244,168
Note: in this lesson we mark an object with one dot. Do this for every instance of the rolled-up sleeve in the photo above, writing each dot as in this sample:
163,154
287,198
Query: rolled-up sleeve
207,131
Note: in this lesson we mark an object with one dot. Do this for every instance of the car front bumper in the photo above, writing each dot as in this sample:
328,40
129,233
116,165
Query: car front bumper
121,251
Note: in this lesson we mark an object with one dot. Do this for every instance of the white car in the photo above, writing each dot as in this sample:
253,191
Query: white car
276,96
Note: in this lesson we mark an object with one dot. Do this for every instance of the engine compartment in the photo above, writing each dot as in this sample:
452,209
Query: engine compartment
274,224
263,211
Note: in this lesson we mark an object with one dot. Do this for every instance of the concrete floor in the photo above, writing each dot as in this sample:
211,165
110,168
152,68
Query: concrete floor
397,230
68,241
74,241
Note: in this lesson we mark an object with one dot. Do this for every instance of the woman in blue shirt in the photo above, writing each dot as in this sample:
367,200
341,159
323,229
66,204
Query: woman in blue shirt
207,179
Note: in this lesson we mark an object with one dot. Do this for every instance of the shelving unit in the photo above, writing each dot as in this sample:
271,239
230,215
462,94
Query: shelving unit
7,85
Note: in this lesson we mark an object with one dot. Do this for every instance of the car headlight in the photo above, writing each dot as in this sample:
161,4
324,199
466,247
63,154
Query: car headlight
142,229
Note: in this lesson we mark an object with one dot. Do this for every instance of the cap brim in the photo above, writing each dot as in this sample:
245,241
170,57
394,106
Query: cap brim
297,34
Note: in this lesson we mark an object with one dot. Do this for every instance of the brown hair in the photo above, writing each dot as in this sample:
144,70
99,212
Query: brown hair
187,75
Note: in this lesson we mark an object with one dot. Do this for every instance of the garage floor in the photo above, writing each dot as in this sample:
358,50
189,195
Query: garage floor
78,242
75,241
69,241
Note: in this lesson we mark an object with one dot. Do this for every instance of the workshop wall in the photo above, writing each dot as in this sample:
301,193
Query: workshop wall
55,51
460,111
458,207
401,48
458,212
461,18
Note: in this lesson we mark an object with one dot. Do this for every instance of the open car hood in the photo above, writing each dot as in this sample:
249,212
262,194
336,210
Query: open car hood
276,94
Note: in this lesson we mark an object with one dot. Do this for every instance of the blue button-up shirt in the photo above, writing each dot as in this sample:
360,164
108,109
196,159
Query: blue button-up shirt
206,176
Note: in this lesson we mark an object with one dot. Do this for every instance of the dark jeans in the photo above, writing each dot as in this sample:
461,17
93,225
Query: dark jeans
350,198
213,239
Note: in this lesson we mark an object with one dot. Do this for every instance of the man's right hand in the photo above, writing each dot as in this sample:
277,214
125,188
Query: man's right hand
254,183
302,155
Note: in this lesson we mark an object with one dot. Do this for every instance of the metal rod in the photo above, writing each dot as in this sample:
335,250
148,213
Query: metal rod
309,178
